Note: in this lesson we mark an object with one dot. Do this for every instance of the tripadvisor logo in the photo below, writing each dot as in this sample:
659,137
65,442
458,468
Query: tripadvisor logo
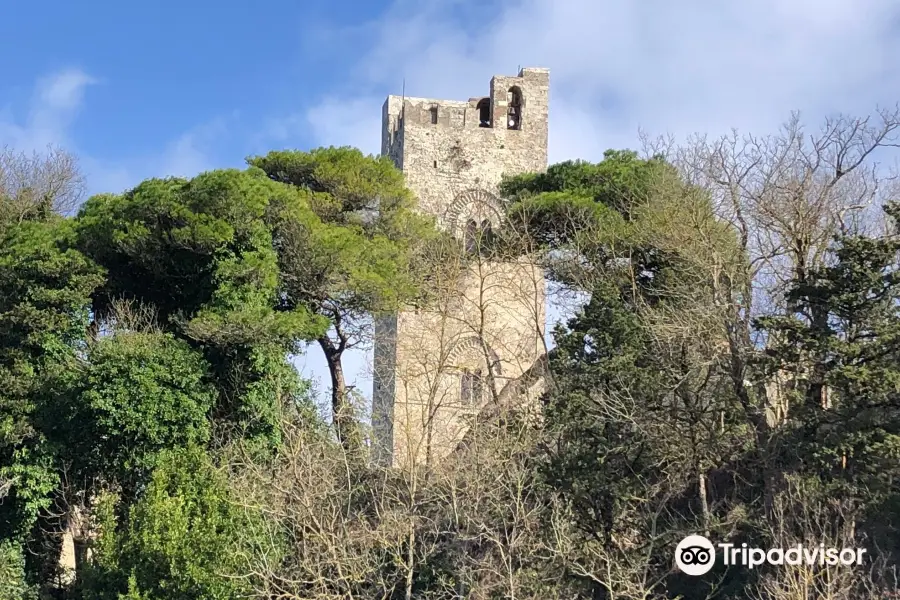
695,555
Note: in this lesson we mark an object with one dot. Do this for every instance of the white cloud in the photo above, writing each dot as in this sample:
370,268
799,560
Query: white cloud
64,91
616,67
685,67
338,118
54,105
189,154
56,101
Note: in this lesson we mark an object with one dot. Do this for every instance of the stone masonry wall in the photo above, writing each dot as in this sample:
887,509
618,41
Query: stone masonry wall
453,165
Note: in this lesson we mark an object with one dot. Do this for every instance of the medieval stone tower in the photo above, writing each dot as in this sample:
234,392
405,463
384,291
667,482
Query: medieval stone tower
436,368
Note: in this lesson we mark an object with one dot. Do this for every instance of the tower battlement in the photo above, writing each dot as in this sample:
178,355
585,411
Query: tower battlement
483,112
473,142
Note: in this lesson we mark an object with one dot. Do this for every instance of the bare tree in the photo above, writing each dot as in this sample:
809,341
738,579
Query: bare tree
785,197
501,516
787,194
806,516
470,526
39,184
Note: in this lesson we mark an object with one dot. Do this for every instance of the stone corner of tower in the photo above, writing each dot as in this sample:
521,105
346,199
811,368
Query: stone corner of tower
534,72
528,75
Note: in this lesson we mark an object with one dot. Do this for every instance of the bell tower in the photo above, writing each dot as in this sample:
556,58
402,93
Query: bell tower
436,369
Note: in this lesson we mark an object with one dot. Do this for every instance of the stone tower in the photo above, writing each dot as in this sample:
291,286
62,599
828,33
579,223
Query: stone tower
436,368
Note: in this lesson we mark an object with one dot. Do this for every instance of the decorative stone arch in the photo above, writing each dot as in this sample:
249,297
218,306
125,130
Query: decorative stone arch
474,347
473,205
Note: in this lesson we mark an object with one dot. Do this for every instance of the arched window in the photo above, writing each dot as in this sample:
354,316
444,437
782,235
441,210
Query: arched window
471,391
476,365
484,112
477,234
514,110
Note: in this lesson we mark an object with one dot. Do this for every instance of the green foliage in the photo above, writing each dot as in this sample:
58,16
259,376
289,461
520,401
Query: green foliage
180,541
12,574
346,240
231,272
202,255
269,389
619,177
620,182
248,264
44,298
622,216
325,264
604,363
46,285
640,404
141,394
347,187
844,339
31,468
196,249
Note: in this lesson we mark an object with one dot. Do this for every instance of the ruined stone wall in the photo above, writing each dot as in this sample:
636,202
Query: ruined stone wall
494,321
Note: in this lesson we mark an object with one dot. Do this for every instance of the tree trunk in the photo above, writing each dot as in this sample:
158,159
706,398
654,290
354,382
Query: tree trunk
410,558
344,420
704,499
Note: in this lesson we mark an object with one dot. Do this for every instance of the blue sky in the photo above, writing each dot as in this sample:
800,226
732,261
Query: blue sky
173,88
147,89
165,88
141,88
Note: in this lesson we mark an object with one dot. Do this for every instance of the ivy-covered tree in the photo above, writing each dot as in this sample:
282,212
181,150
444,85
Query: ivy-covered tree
201,254
45,288
140,394
13,583
182,539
